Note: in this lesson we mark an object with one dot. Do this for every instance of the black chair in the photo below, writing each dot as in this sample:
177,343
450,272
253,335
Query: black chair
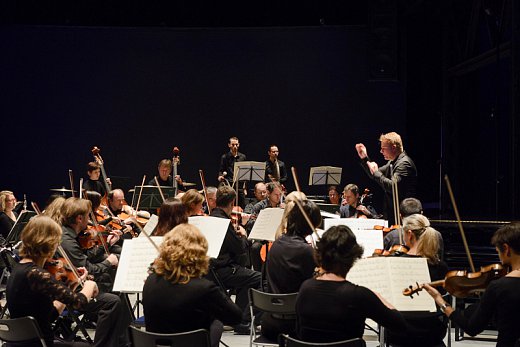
141,338
279,304
21,330
287,341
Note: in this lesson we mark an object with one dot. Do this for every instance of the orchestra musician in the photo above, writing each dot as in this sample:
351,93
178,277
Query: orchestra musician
289,205
53,209
75,218
350,206
117,205
227,167
192,201
229,265
33,291
211,203
274,168
330,308
399,166
332,195
165,179
173,212
7,215
176,297
259,194
290,261
93,183
500,301
424,328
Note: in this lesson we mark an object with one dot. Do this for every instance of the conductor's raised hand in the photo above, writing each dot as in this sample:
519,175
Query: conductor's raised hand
361,150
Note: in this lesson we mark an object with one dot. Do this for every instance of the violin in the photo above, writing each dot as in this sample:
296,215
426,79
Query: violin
63,270
461,283
92,237
395,250
386,230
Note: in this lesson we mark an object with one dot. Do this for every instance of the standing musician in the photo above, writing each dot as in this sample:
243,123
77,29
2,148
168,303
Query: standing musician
500,301
7,215
274,168
33,291
227,167
165,179
426,329
93,183
229,265
75,218
399,166
351,207
329,307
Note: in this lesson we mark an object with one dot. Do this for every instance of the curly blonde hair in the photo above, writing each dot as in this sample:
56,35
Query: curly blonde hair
3,197
40,238
182,255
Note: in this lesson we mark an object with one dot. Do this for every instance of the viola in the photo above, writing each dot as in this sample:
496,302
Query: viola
61,271
395,250
92,237
461,283
386,230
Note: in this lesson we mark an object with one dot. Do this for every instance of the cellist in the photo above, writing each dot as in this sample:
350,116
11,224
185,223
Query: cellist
500,301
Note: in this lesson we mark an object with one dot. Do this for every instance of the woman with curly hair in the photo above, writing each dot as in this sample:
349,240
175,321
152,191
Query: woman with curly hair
330,308
176,297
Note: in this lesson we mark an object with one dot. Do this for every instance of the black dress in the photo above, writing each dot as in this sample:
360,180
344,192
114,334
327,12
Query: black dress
6,224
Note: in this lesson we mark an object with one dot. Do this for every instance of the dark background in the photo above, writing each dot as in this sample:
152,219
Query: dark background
313,78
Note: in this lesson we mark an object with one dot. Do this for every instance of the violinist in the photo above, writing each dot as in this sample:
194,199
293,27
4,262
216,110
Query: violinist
211,203
274,168
500,301
173,212
351,206
229,265
75,219
165,179
7,215
117,206
330,308
53,209
259,193
33,291
93,183
192,201
399,166
424,328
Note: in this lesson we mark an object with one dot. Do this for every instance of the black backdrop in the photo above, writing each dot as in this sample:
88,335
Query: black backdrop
137,92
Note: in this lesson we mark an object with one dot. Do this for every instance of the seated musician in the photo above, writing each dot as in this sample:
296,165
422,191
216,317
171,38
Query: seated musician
165,179
32,291
330,308
93,183
424,328
350,206
117,206
500,301
211,203
7,215
173,213
259,194
229,265
289,205
333,196
75,219
53,209
176,297
290,261
192,201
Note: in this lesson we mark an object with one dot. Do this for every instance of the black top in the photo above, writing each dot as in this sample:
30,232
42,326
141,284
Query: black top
165,183
227,164
403,168
270,169
290,261
501,301
233,246
6,224
174,307
333,311
31,291
94,186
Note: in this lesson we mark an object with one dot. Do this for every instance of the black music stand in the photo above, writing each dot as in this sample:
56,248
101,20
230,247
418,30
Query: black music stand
24,217
325,175
151,198
253,171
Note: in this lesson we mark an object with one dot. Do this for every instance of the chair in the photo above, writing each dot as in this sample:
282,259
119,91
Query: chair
20,330
280,304
287,341
141,338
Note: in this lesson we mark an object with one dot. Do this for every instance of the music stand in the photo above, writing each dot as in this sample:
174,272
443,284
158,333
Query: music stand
325,175
253,171
21,221
151,197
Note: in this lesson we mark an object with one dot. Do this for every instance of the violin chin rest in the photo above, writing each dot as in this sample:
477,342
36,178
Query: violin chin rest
143,214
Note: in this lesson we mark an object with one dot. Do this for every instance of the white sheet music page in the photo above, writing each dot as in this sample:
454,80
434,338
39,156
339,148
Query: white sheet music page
150,225
388,276
214,230
266,224
137,255
355,223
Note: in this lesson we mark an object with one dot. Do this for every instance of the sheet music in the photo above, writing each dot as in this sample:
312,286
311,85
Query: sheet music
355,223
136,257
266,224
388,276
214,230
329,215
150,225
